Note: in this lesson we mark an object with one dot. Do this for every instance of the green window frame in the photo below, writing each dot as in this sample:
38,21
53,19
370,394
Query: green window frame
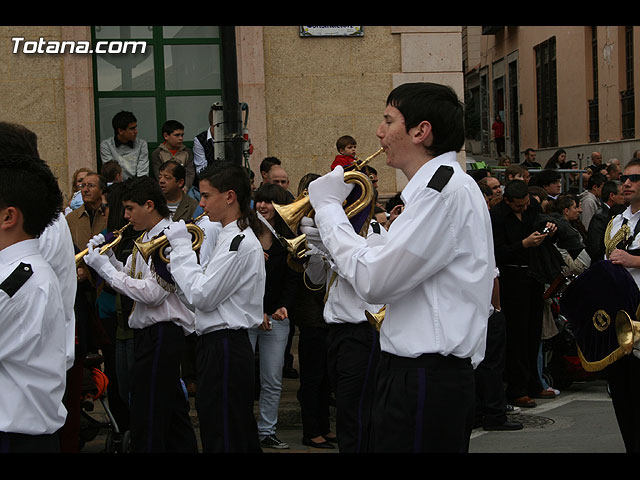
160,91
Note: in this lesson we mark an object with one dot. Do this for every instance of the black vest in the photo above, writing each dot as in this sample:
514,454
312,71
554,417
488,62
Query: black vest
209,151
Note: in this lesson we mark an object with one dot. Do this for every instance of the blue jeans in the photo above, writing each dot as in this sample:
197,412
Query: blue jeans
272,344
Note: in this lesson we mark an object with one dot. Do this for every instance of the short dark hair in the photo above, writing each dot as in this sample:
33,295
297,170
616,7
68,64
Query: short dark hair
610,187
437,104
516,189
513,170
224,176
17,139
121,121
634,162
546,177
28,184
102,183
596,180
484,188
177,169
141,189
529,150
110,170
171,126
562,202
344,141
269,162
539,192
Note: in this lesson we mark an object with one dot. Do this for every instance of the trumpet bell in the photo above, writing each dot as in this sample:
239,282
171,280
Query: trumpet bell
627,331
294,212
296,246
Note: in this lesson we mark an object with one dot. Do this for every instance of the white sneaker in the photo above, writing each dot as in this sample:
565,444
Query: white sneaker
557,392
512,410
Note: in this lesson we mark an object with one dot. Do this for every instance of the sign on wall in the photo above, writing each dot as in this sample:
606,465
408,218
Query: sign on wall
331,31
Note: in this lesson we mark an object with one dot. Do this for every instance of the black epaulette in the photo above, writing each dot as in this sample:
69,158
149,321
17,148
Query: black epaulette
235,243
18,277
441,177
375,226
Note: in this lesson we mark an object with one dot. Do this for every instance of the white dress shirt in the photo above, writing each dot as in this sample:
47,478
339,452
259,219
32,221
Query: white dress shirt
227,289
199,159
632,220
343,305
435,272
32,345
154,302
56,246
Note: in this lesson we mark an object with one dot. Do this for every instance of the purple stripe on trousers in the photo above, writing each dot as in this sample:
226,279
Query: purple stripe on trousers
422,391
364,389
152,386
225,392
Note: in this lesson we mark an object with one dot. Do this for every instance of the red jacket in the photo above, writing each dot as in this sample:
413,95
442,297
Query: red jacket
344,160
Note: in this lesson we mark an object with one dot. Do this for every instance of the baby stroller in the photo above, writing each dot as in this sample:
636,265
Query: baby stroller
561,364
94,388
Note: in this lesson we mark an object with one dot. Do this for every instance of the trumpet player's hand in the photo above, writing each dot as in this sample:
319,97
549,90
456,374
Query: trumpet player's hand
329,189
308,227
100,263
177,234
97,240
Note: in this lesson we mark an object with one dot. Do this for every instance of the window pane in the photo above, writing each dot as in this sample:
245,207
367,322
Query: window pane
125,72
192,112
143,108
192,67
124,32
190,32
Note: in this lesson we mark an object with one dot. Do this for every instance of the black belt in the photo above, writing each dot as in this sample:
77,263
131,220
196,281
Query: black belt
424,360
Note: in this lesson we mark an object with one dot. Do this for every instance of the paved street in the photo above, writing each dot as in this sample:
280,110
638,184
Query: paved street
580,420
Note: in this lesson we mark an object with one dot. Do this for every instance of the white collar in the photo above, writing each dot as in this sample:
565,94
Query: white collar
158,227
424,174
19,250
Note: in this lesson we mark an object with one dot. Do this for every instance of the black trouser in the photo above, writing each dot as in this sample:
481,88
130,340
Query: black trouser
160,419
314,390
624,384
522,305
423,404
353,354
490,398
23,443
224,397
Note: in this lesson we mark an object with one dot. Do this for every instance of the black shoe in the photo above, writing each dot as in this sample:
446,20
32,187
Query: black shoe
310,443
271,441
330,439
508,425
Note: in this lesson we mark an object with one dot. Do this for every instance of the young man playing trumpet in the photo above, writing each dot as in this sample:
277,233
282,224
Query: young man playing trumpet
226,289
434,273
160,419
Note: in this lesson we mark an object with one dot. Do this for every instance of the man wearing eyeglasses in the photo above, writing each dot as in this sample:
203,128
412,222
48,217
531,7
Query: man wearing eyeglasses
624,373
90,219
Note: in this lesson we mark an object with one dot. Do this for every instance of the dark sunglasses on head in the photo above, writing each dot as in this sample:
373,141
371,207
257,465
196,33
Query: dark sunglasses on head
634,177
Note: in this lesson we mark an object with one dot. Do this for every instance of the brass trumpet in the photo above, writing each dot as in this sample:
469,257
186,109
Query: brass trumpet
147,249
301,207
105,247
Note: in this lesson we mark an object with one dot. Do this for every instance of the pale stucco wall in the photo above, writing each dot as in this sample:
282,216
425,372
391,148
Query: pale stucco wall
51,95
317,89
